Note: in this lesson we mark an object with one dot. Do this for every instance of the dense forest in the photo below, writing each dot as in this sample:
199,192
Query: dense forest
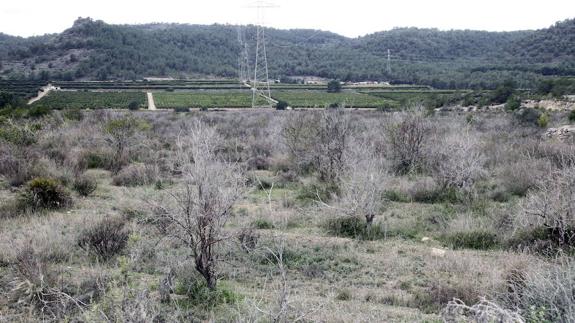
94,50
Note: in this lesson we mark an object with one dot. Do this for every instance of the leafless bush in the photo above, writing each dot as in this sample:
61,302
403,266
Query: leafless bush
136,175
552,205
318,140
122,134
483,312
37,287
196,212
458,162
105,239
363,182
519,177
408,134
545,293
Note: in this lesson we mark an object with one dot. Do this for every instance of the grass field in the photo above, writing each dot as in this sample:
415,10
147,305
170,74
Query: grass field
92,100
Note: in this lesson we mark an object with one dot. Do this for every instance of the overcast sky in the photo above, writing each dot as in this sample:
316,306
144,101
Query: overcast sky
350,18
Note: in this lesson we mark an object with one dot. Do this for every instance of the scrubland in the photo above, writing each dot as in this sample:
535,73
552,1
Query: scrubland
279,216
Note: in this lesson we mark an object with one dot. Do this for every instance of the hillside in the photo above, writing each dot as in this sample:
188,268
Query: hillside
91,50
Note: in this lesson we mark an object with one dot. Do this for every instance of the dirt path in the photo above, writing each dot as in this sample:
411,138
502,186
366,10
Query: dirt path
42,93
151,103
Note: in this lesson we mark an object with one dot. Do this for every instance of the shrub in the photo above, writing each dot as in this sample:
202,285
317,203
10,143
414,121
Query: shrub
198,293
263,224
281,105
480,240
572,116
543,120
18,135
105,239
85,185
344,295
38,111
134,105
513,103
408,137
94,159
248,239
314,191
136,175
181,109
44,193
354,227
528,116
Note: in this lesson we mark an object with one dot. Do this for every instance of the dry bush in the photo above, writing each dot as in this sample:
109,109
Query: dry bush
317,140
362,182
545,293
483,312
196,212
123,135
85,185
519,177
37,287
552,206
106,238
458,162
136,175
408,135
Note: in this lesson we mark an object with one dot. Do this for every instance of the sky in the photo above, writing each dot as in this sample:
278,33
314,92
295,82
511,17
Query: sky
348,18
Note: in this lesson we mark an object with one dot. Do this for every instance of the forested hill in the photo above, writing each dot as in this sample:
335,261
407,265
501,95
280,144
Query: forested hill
95,50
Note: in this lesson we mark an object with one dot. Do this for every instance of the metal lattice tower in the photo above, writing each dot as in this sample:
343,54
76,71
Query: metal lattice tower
260,83
244,61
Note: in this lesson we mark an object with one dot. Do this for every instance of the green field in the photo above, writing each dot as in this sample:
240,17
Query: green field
321,99
92,100
204,99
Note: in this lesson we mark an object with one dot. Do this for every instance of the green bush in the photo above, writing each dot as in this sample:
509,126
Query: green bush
262,224
85,185
542,240
105,239
572,116
95,159
281,105
354,227
198,293
396,196
480,240
344,295
311,192
543,120
38,111
18,135
44,193
513,103
134,105
181,109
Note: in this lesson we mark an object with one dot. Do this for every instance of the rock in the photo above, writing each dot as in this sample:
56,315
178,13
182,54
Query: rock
438,252
425,239
562,133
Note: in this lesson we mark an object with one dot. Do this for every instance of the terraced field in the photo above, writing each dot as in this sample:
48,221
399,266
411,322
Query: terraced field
204,99
92,100
320,99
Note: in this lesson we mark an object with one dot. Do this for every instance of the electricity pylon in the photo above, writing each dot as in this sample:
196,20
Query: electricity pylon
260,84
244,60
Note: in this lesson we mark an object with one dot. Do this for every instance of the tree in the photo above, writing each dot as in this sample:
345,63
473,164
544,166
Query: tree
134,105
196,212
281,105
333,86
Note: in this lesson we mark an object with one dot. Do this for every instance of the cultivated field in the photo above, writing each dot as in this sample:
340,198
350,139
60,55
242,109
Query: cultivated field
261,216
92,100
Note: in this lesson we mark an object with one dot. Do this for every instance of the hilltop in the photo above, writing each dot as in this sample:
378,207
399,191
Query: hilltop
94,50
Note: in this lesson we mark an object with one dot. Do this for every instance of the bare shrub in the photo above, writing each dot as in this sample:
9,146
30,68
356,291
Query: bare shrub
552,205
408,135
545,294
318,141
136,175
196,212
458,162
483,312
363,182
85,185
36,286
122,134
519,177
105,239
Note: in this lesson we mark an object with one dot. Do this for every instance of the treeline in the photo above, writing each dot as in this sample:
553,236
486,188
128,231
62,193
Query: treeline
95,50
